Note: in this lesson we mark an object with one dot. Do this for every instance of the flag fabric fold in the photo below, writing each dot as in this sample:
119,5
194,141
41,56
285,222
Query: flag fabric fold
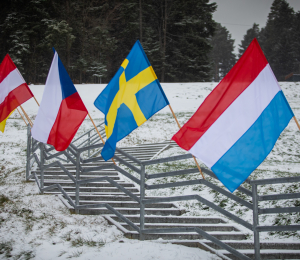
3,123
132,96
13,89
61,110
238,124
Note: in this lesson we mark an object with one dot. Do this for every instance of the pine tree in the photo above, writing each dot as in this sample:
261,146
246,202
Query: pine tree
222,54
296,43
179,32
248,38
23,28
93,37
277,45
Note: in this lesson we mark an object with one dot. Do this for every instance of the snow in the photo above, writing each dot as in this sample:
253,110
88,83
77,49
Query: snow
40,226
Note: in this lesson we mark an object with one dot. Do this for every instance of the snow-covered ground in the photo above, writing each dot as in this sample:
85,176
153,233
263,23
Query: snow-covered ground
39,226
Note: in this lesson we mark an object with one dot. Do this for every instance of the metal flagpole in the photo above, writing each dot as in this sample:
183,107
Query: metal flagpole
198,166
99,134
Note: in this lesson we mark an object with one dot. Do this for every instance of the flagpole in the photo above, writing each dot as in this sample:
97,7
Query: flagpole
22,117
26,116
36,101
198,166
297,123
99,134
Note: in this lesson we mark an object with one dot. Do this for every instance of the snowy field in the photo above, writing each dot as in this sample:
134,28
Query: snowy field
40,227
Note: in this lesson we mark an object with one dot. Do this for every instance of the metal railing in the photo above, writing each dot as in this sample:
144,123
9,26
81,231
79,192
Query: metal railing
130,165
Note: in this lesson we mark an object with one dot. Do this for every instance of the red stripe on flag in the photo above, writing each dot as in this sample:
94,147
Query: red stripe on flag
69,118
233,84
6,67
14,99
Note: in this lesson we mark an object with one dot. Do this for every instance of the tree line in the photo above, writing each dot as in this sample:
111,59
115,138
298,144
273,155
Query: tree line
180,38
93,37
279,39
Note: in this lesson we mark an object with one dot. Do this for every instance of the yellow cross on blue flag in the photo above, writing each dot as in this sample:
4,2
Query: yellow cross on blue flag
132,96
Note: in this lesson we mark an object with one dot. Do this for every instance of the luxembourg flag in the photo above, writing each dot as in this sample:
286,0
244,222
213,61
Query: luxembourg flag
238,124
61,111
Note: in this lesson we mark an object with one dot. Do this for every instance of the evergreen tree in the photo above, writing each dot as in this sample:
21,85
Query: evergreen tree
248,38
222,56
23,28
296,42
180,35
277,45
93,37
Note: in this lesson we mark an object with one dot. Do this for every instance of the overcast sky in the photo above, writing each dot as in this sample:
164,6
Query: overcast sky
239,15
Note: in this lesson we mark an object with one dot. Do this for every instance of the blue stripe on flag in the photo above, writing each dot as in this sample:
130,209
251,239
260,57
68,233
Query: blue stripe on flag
67,86
234,167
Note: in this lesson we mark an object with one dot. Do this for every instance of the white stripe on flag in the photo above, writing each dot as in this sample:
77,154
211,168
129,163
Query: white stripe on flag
50,104
11,82
237,118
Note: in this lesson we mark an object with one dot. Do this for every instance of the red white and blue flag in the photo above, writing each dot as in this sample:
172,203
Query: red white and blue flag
238,124
61,111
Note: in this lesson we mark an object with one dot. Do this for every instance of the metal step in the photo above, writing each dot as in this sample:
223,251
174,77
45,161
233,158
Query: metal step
204,227
73,172
126,211
91,184
263,245
190,235
98,189
266,254
127,204
173,219
82,177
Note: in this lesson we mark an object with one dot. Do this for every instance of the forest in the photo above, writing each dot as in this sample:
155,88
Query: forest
182,41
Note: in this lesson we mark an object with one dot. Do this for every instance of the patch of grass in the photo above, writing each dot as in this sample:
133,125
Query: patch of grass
67,236
5,249
3,200
62,253
76,253
25,255
51,230
79,241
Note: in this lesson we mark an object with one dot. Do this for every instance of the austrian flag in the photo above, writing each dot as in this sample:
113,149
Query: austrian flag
13,89
62,110
238,124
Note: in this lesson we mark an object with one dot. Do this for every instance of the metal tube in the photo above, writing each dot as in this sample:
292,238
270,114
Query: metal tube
142,205
276,180
169,159
255,222
77,181
89,142
42,164
28,152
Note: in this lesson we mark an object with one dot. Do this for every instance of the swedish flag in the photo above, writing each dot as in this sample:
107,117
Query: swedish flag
132,96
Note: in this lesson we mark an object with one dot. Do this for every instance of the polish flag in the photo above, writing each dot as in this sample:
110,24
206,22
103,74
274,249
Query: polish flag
61,111
238,124
13,89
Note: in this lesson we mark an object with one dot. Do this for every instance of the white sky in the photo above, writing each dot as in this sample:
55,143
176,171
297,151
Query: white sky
239,15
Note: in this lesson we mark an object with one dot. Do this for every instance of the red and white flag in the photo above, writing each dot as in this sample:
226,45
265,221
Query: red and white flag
61,111
13,89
